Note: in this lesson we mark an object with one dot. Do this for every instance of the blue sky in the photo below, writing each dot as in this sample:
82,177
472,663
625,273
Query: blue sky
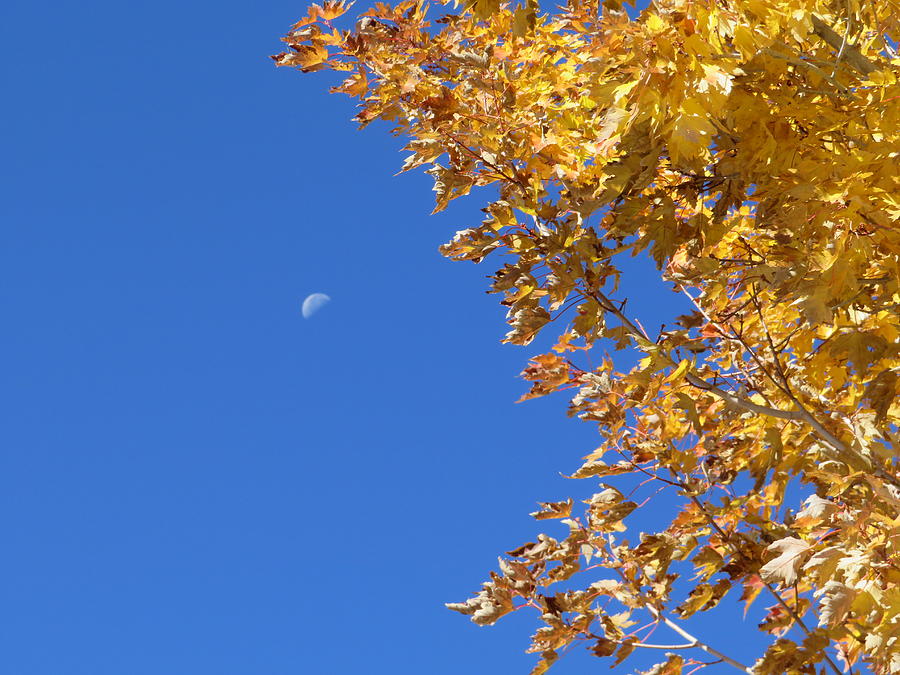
193,478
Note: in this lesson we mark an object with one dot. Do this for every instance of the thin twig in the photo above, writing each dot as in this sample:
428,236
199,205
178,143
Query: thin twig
800,412
840,53
693,642
790,610
686,645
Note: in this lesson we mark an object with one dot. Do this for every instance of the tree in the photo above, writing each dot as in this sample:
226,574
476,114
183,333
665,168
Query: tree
751,147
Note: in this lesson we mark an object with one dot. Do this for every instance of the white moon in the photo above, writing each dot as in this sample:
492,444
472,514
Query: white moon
314,303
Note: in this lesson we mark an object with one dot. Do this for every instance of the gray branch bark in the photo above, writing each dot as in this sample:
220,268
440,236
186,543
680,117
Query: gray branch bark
850,53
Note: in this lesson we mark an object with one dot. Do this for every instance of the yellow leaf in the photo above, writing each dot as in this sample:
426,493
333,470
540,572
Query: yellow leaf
680,370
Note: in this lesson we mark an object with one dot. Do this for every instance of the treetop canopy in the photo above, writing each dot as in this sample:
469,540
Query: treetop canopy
751,147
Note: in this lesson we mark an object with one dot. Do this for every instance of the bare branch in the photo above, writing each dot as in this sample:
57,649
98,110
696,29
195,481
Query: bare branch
695,642
686,645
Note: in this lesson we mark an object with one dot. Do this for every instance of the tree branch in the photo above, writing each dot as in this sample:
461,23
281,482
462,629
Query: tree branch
694,380
800,413
737,552
686,645
810,66
850,53
695,642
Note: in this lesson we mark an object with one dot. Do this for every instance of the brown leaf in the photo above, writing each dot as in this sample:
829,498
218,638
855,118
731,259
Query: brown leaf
548,658
671,666
625,650
881,393
553,510
752,588
526,322
604,647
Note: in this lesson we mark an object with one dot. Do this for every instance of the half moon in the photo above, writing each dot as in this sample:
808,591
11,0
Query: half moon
313,304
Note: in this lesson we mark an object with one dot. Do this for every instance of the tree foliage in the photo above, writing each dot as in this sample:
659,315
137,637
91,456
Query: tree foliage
751,147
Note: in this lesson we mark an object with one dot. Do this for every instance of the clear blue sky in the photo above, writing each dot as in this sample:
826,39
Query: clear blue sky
194,479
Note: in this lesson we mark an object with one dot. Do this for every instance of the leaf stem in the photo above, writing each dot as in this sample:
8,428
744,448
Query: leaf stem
693,641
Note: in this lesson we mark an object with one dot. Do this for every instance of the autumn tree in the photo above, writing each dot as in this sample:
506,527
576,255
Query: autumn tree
751,148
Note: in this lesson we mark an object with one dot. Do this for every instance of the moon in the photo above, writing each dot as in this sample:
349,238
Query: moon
313,304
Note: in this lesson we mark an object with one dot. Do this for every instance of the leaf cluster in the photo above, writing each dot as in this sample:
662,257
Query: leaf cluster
751,148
